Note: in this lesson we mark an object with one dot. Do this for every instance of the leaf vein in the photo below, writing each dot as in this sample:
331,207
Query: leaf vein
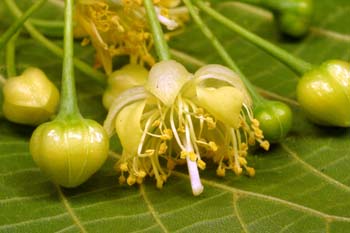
70,210
290,204
314,170
238,213
151,209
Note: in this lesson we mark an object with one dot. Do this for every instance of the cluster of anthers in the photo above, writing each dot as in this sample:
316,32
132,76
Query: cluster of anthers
182,118
119,27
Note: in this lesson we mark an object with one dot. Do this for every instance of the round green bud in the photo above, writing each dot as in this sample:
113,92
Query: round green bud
324,93
128,76
30,98
275,120
294,17
69,151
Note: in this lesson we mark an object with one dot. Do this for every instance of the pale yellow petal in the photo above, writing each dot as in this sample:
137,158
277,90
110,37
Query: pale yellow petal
223,103
166,80
128,126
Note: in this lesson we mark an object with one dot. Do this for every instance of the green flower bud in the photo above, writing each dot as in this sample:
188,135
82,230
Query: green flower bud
69,150
294,17
324,93
30,98
123,79
275,119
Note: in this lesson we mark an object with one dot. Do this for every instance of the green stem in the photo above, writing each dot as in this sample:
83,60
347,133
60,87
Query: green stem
55,24
157,32
69,102
50,28
19,22
82,66
296,64
10,56
221,51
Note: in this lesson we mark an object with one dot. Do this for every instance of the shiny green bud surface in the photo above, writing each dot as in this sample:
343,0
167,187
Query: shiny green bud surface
294,17
69,151
30,98
275,120
324,93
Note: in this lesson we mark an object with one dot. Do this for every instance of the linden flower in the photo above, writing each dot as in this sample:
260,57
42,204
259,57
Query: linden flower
182,118
120,27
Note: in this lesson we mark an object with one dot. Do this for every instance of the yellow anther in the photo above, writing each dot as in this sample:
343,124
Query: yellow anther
237,169
85,42
242,161
164,12
220,171
213,146
164,177
123,167
159,183
131,180
149,152
265,144
167,134
199,111
250,171
210,123
192,156
122,179
251,139
244,146
258,133
139,180
181,129
201,164
243,153
141,174
255,122
162,148
183,154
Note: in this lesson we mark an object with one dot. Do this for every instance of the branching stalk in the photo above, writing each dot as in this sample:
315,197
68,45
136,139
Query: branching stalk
296,64
157,32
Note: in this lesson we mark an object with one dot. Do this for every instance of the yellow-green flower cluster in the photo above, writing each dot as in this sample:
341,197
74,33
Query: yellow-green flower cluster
120,27
182,118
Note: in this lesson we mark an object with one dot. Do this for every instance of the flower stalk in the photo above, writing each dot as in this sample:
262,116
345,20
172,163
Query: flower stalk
296,64
161,46
69,102
70,148
10,56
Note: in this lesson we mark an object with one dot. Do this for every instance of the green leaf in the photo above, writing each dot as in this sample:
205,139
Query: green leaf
301,185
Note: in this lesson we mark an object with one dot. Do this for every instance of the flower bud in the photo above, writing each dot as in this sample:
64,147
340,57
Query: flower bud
69,151
294,17
30,98
324,93
275,119
123,79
